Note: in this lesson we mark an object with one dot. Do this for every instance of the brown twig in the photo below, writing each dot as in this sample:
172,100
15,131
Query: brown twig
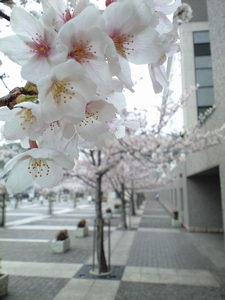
10,99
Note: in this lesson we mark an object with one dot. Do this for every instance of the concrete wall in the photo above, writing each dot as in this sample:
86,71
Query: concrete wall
199,7
204,198
174,195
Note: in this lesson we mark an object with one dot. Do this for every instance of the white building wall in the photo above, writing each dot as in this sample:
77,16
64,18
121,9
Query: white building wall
203,174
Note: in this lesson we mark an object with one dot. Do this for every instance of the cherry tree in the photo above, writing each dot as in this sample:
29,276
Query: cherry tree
76,61
91,170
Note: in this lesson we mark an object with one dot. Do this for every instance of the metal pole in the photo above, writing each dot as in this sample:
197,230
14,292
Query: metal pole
3,208
130,215
109,246
93,261
2,220
99,257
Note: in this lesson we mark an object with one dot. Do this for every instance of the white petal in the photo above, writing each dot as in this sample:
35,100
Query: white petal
19,178
147,47
125,73
4,111
10,164
54,177
19,54
29,27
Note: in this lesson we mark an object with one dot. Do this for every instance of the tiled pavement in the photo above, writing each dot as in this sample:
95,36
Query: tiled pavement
150,260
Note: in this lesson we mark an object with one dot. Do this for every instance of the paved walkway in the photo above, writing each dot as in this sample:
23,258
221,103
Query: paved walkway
150,260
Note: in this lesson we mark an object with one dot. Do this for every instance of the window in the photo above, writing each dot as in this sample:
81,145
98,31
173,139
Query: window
203,70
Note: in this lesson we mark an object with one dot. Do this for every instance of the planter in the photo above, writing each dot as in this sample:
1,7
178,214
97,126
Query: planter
117,210
81,231
60,246
4,280
176,223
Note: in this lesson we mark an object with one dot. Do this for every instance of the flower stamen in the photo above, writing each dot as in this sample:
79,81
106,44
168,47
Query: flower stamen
38,167
39,46
27,117
122,44
82,52
62,91
90,117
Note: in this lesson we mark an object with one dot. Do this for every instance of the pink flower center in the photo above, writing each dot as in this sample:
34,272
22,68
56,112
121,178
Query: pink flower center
82,52
39,46
67,15
108,2
33,144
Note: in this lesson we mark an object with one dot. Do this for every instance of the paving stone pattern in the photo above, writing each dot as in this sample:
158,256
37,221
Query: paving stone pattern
174,249
80,251
145,291
166,250
155,212
34,288
155,223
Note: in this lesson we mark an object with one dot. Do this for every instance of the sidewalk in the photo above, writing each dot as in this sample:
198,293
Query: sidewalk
150,260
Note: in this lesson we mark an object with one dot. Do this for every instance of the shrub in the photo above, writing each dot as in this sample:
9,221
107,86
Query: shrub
117,205
108,210
82,223
62,235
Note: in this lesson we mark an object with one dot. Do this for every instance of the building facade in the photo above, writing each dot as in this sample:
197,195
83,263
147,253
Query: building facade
197,190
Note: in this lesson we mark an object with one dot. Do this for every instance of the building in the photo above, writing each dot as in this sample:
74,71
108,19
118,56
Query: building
198,188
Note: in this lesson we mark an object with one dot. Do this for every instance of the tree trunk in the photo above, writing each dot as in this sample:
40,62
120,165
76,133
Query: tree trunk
50,206
123,215
16,202
100,226
133,212
3,210
138,200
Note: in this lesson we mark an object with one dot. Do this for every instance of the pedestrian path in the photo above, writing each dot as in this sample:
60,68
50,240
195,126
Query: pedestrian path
150,260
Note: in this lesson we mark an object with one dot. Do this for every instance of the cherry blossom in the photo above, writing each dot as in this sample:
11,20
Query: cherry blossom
167,6
64,92
77,61
54,138
184,13
57,13
95,122
23,120
83,40
44,166
128,24
35,47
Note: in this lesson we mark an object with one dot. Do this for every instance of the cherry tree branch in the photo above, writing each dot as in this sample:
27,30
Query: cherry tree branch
85,180
4,16
1,77
10,99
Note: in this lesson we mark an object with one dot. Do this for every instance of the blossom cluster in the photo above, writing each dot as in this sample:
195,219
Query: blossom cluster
184,13
78,57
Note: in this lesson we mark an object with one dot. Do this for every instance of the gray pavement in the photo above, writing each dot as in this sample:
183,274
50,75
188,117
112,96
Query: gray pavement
150,260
